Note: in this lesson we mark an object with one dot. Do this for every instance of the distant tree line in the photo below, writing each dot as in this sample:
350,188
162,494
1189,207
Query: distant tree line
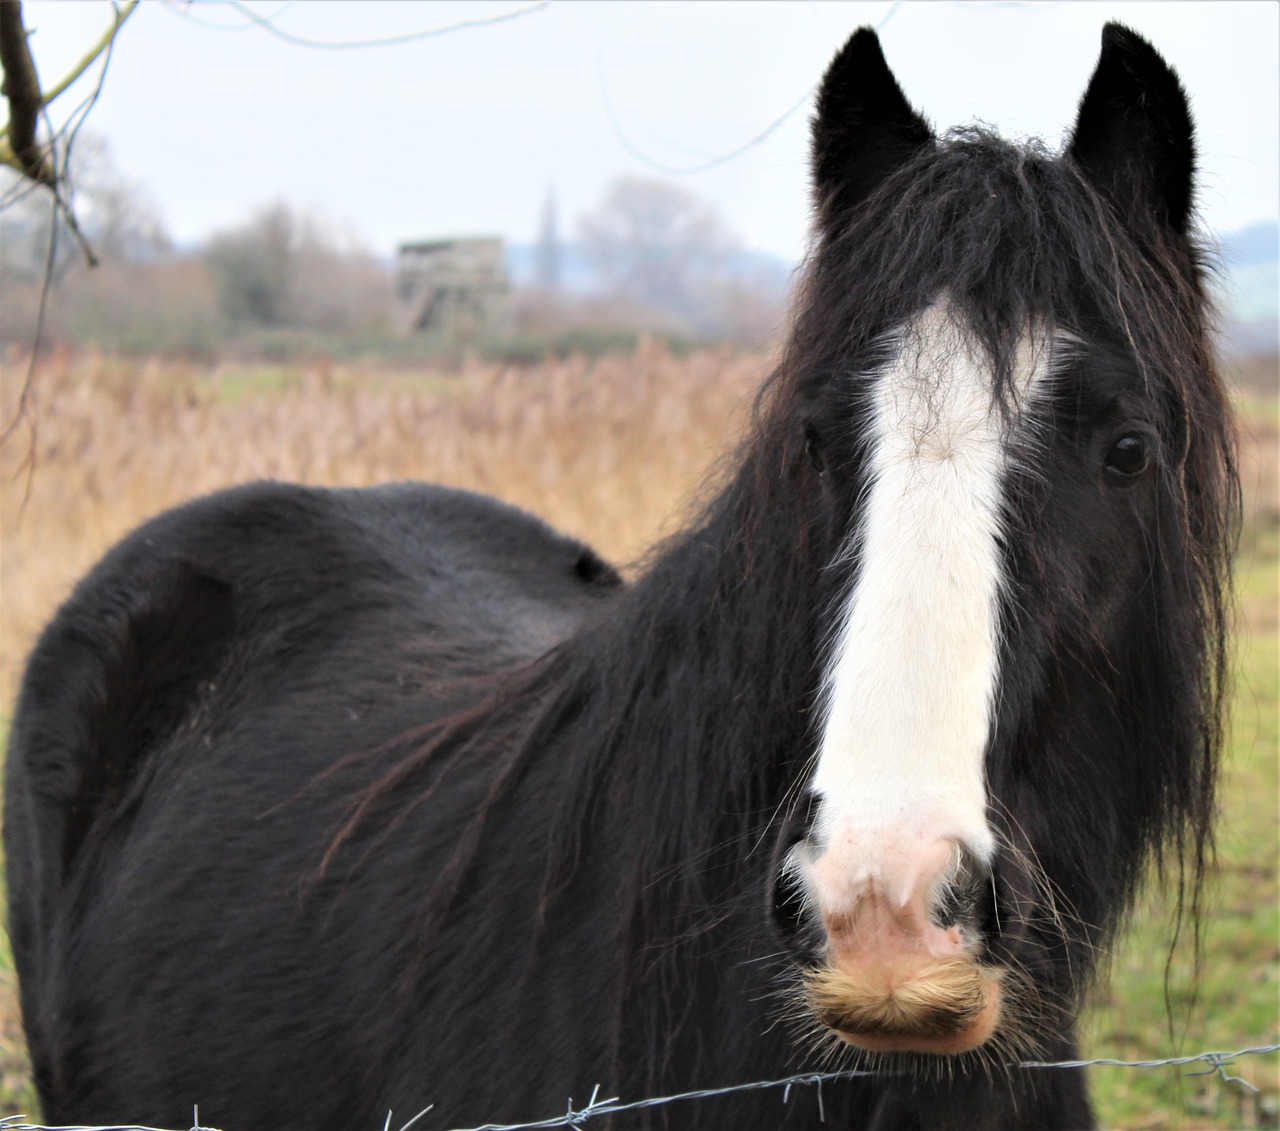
284,280
279,270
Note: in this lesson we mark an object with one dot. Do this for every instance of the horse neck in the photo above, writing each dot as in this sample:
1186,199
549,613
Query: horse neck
689,701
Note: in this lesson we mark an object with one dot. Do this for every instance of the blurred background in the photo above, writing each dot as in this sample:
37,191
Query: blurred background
544,250
407,178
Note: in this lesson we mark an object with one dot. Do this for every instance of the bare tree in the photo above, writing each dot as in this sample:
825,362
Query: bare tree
119,216
656,242
284,268
252,266
337,284
116,214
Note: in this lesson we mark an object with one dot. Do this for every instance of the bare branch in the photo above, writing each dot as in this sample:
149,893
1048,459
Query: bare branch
19,148
22,89
267,24
106,41
62,184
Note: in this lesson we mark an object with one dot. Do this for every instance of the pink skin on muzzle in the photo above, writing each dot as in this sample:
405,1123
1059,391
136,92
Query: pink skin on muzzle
894,980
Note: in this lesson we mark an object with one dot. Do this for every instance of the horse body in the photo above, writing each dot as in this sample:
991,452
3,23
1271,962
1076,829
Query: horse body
327,802
340,596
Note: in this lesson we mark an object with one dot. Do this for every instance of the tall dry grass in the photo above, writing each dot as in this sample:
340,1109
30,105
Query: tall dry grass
606,450
609,451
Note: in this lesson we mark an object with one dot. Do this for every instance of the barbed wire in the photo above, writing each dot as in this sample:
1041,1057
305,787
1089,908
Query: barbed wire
1218,1065
15,1123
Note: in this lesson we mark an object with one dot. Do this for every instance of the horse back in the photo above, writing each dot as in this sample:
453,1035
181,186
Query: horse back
267,602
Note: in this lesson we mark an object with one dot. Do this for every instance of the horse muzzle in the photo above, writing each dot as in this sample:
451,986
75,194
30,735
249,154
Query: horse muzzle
892,975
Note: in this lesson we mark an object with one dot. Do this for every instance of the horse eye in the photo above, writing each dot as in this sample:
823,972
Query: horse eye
1129,456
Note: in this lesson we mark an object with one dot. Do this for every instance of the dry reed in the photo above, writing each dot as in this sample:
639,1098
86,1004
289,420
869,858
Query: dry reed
606,450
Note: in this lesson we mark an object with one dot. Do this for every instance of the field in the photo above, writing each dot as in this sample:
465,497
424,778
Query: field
612,450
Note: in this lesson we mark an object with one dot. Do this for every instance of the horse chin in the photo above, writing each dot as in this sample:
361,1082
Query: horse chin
950,1007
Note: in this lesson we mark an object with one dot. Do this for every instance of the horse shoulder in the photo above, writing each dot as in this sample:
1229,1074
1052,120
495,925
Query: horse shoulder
267,595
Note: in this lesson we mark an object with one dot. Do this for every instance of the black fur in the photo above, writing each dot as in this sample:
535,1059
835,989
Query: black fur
864,127
321,803
1134,134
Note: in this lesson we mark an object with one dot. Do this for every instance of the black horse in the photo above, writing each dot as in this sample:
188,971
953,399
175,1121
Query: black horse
327,802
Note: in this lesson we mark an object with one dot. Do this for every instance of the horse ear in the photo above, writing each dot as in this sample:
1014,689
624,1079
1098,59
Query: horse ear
1133,137
864,128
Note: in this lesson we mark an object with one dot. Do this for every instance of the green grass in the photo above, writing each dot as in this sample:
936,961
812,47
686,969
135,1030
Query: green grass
1236,1003
241,383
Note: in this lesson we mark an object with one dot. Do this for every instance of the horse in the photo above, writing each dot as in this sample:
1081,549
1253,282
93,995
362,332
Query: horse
323,803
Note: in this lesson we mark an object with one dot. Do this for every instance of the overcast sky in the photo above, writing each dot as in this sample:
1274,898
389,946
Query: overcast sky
465,133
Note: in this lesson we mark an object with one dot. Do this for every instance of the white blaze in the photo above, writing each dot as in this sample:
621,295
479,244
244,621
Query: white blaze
910,689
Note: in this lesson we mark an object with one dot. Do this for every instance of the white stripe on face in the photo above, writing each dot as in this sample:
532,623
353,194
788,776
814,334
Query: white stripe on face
910,688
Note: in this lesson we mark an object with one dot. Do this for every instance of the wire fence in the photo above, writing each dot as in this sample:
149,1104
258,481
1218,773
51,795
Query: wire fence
1219,1064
